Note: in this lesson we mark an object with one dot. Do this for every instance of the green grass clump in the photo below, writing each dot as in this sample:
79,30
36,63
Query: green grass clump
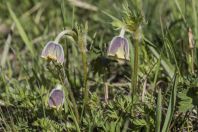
156,90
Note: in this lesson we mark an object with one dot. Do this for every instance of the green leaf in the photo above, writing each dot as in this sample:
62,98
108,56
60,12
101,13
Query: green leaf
116,22
187,99
139,122
193,93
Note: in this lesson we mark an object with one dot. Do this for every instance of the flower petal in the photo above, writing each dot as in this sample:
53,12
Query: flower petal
53,51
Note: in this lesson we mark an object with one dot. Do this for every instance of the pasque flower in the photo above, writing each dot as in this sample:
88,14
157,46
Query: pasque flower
53,51
56,97
119,47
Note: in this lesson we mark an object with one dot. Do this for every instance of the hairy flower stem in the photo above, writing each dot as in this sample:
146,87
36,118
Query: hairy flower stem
82,43
192,49
134,74
122,32
192,61
65,82
64,32
74,104
72,113
71,95
135,70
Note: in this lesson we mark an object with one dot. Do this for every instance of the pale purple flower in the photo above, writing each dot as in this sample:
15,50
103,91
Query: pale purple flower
56,97
53,51
119,48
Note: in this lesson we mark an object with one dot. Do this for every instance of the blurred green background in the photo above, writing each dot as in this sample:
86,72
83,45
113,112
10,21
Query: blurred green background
26,80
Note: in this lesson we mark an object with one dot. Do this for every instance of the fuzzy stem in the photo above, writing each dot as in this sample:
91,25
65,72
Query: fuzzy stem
61,34
65,82
74,104
134,75
106,92
135,68
82,43
192,61
73,115
122,32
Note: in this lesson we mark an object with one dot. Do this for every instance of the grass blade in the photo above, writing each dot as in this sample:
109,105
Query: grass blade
158,111
21,30
195,18
63,13
167,66
180,10
171,106
7,47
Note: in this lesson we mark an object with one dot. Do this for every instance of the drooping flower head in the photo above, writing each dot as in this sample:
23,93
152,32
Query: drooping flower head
53,51
119,47
56,97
